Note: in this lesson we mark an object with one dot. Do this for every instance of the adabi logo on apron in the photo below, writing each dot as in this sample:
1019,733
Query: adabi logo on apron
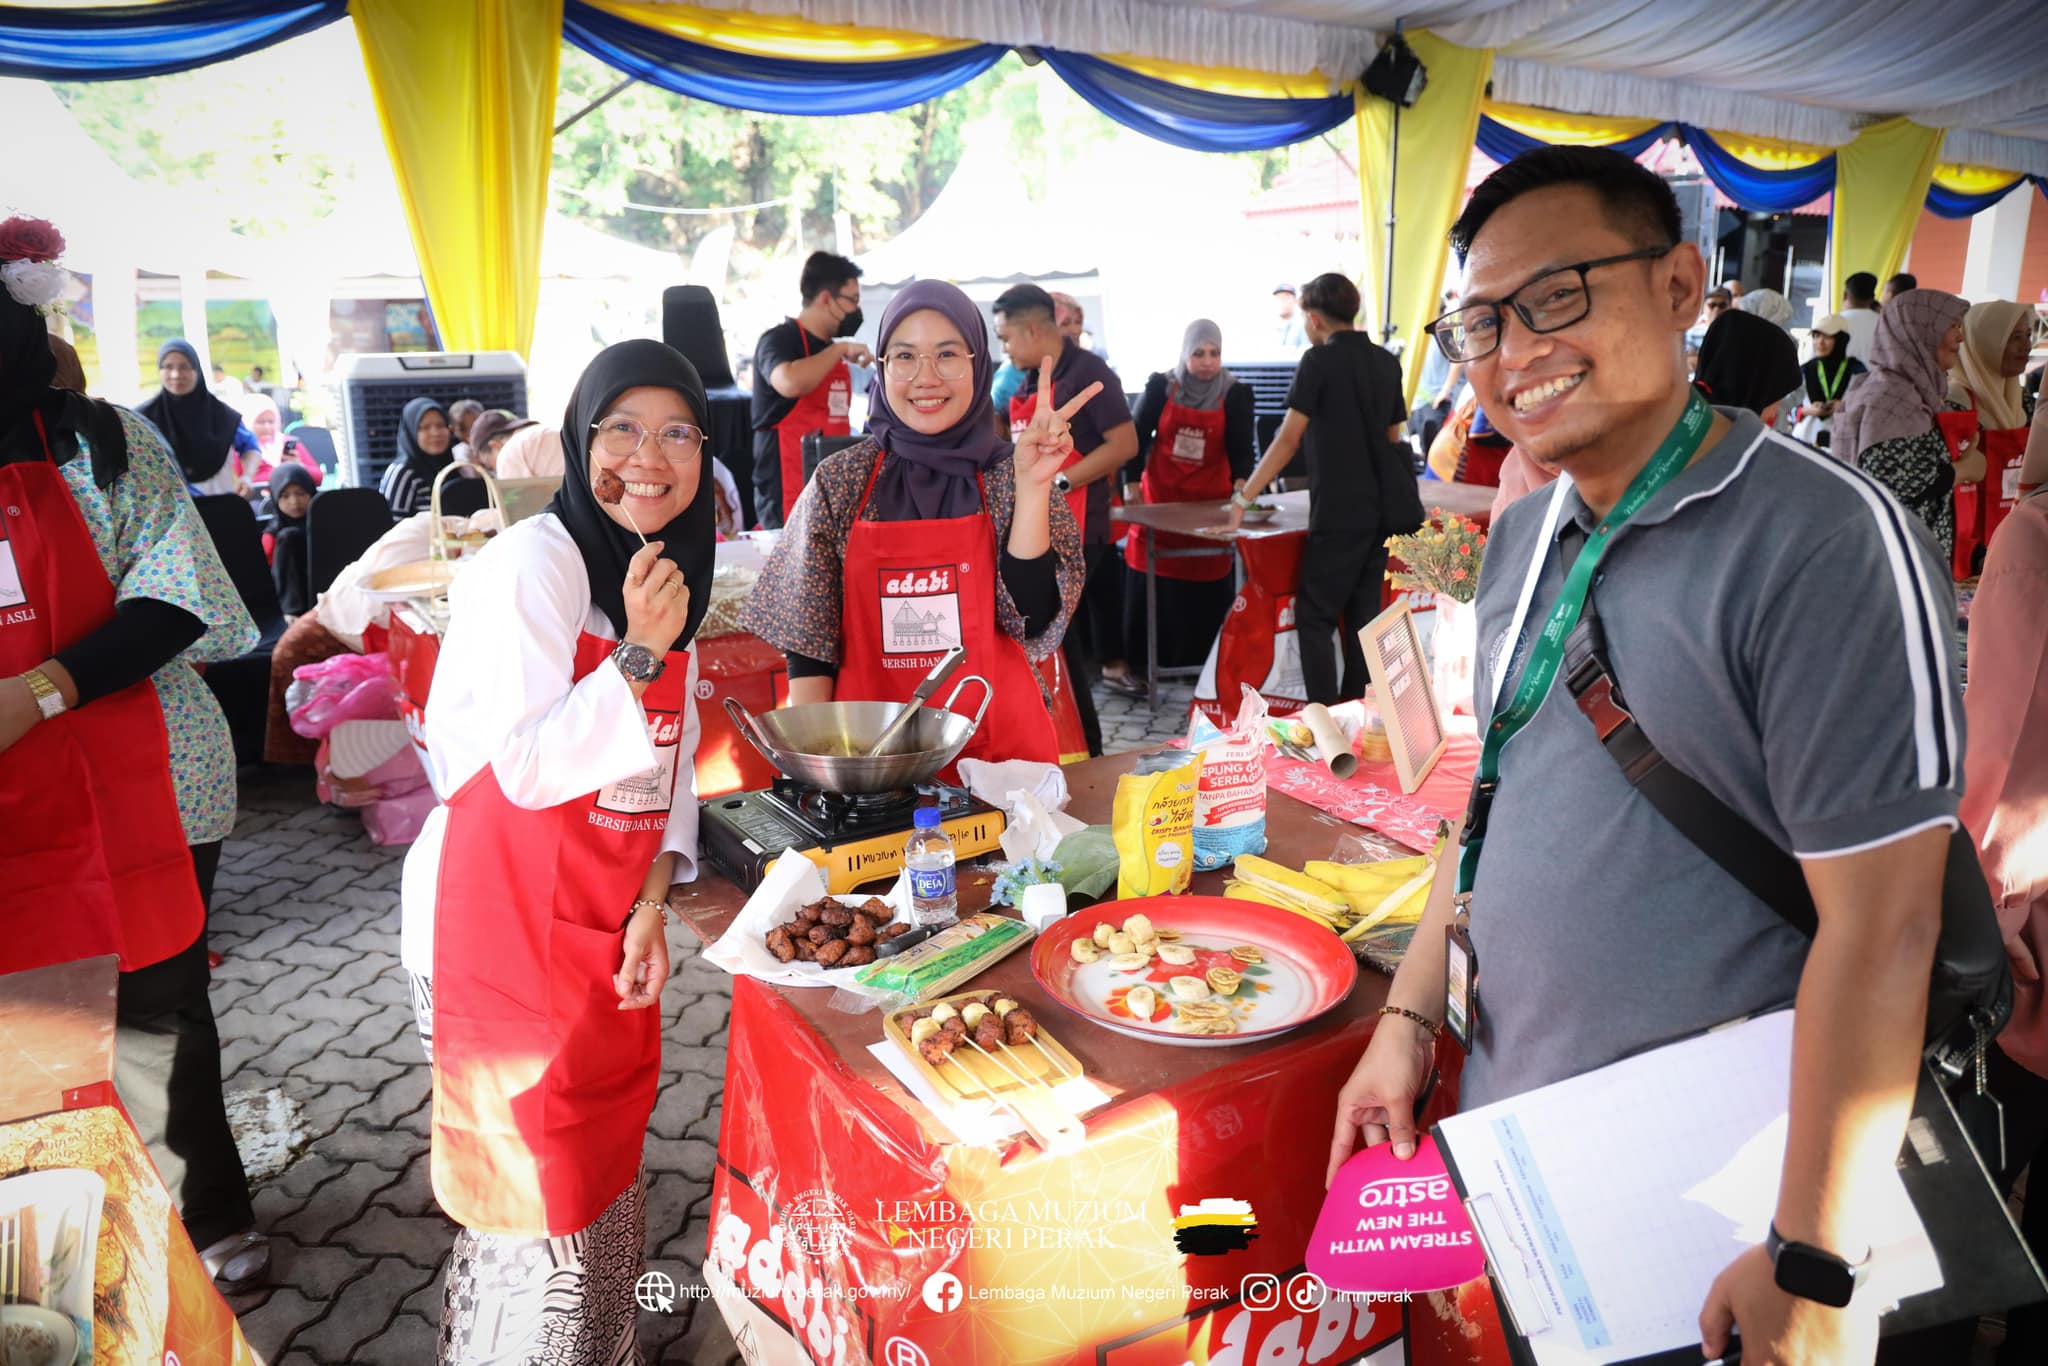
920,615
12,594
839,398
652,792
1190,445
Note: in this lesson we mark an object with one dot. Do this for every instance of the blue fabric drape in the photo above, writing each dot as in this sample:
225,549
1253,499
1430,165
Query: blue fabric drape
125,41
769,85
1196,119
1955,204
1762,191
1504,144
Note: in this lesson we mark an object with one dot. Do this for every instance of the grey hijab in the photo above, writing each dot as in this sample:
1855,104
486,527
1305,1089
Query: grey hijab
1200,394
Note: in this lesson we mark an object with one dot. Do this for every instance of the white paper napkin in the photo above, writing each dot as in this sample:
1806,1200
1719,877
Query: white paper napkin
1078,1096
793,882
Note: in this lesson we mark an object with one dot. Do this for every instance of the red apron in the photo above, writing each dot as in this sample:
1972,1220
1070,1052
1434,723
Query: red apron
542,1085
1022,406
93,838
1187,465
1981,507
912,591
824,409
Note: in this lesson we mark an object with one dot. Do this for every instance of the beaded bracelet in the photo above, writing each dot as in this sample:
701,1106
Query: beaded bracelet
657,906
1405,1013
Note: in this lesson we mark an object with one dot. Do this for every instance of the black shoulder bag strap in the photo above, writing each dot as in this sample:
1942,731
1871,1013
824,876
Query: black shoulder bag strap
1970,994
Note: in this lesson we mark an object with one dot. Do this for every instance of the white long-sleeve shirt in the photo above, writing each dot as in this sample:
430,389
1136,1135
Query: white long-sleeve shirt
504,695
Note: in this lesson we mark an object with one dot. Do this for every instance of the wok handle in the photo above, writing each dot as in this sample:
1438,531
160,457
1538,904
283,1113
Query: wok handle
988,695
743,721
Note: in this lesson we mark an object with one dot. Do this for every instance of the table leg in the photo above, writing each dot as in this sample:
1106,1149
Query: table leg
1151,625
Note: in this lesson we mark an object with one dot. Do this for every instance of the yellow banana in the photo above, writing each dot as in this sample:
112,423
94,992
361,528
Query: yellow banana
1298,887
1403,903
1373,879
1244,891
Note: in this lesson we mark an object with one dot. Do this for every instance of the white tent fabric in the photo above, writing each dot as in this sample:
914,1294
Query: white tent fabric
983,226
1804,70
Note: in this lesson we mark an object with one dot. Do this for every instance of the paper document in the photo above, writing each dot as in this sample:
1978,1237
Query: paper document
1609,1202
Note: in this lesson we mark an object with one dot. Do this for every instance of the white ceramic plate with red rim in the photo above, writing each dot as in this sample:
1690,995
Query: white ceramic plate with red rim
1304,969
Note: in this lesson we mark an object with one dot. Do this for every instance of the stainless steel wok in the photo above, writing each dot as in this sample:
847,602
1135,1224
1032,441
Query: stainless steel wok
825,744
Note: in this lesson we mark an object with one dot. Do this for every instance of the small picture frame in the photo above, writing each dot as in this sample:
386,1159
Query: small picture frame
1407,701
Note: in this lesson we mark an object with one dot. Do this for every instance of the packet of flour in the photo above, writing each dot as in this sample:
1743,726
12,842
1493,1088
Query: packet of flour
1230,803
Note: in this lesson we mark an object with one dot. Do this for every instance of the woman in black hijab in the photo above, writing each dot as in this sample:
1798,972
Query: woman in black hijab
426,446
564,727
1749,362
203,432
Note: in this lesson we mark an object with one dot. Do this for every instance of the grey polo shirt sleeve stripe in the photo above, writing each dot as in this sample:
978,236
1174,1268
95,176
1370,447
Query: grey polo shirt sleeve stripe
1858,696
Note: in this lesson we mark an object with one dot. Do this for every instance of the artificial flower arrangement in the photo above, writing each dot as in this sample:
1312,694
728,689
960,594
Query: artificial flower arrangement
29,248
1443,557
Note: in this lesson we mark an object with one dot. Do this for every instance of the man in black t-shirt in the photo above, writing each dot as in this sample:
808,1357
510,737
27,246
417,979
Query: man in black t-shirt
1105,438
801,381
1346,406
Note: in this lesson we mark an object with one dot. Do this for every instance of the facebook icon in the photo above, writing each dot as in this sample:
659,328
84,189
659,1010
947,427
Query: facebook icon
942,1292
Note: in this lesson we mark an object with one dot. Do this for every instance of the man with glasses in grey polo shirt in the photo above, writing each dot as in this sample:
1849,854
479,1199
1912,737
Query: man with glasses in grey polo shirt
1786,637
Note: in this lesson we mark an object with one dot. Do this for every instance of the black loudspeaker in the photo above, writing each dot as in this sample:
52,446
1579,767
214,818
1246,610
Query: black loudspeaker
689,323
1397,74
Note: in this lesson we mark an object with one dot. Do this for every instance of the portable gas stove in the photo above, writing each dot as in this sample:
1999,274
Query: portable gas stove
856,839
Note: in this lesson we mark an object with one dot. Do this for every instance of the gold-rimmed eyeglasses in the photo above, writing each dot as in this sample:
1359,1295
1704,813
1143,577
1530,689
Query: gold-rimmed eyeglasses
947,363
620,438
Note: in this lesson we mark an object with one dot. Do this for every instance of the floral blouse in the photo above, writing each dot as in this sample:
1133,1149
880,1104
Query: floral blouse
153,545
1921,476
796,602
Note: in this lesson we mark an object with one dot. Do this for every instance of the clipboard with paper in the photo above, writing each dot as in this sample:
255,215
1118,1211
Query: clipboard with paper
1609,1202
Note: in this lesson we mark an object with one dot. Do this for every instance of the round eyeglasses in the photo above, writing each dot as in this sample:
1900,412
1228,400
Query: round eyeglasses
620,438
947,363
1550,302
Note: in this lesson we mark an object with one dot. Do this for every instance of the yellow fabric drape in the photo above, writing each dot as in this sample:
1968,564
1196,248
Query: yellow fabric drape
1881,184
465,91
777,35
1974,179
1436,151
1770,154
1559,128
1231,80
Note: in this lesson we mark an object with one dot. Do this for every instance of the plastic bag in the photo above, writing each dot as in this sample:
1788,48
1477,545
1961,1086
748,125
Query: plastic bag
345,688
398,820
1230,803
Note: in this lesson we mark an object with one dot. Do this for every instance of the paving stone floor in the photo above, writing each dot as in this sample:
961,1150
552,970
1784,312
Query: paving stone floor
318,1045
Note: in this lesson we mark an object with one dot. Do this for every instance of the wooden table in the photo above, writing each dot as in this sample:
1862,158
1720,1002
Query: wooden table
819,1144
1207,521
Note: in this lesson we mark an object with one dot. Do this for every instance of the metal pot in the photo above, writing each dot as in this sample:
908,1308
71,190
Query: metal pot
825,744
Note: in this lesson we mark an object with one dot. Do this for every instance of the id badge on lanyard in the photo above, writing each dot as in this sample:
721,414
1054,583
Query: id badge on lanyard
1546,657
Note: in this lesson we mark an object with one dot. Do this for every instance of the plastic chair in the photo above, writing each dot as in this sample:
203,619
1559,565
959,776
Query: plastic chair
689,323
462,497
242,685
340,525
818,447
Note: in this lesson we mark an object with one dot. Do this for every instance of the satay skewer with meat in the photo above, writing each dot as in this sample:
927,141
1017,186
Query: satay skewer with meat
609,488
1021,1027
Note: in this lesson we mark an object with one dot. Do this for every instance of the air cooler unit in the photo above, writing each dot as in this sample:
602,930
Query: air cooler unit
373,390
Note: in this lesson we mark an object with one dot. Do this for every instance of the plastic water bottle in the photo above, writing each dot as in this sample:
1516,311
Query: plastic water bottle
929,860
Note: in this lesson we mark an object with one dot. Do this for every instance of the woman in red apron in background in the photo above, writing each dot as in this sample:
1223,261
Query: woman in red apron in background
116,768
1997,339
932,533
1195,423
563,721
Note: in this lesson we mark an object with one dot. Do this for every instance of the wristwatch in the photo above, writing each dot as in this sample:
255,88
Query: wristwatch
1062,483
637,662
1814,1273
49,701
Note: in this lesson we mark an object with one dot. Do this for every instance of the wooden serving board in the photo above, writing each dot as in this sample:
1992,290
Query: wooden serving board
1021,1081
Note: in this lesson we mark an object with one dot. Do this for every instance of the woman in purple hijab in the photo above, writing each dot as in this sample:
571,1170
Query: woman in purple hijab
932,532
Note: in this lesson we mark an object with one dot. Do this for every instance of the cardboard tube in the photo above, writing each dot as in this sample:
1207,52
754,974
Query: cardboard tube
1331,746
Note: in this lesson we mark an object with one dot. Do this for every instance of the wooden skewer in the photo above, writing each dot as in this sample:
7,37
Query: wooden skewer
1021,1081
1057,1065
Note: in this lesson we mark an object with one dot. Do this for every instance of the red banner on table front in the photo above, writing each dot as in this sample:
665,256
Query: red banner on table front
841,1233
749,668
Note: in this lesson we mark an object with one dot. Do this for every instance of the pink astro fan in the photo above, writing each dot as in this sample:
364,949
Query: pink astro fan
1391,1227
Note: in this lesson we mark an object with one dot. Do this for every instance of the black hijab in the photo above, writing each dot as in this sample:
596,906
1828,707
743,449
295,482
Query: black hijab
200,428
27,366
289,475
424,465
607,548
1747,361
928,477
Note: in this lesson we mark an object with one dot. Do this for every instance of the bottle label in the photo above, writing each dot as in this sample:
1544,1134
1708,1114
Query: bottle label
931,884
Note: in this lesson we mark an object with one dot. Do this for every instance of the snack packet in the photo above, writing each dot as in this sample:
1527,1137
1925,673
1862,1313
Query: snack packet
1230,803
948,958
1153,824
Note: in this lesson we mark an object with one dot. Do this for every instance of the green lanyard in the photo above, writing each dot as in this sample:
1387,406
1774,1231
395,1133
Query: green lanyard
1827,390
1547,654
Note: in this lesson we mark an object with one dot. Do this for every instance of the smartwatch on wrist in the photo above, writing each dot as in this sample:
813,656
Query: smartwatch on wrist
638,663
1814,1273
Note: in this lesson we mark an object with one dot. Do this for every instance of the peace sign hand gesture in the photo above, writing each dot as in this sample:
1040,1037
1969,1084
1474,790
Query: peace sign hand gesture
1043,446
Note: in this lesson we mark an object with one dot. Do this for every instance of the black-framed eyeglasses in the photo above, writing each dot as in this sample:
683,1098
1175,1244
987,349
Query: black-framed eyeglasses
620,438
1549,302
852,303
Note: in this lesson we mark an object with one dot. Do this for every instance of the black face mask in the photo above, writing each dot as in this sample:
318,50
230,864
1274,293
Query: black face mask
851,323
